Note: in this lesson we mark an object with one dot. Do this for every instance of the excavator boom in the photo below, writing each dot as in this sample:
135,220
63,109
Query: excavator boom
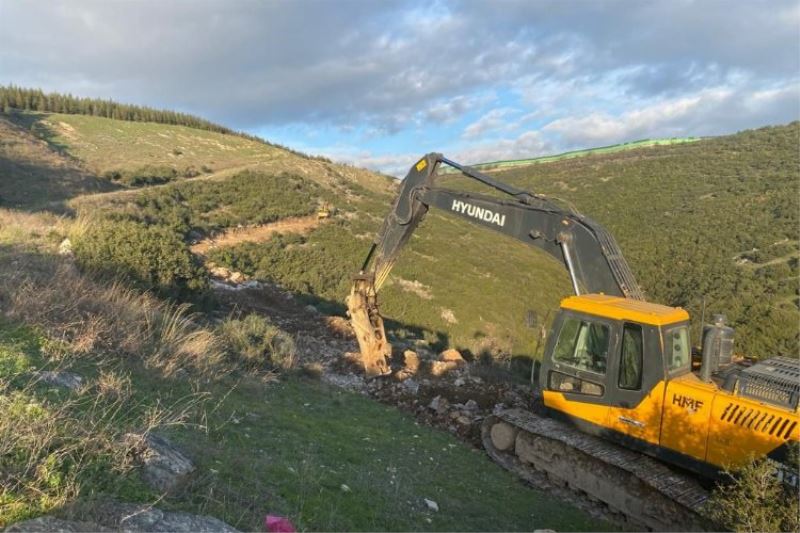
588,252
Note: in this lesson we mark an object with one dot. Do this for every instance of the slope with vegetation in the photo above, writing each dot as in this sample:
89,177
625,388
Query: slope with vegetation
712,221
264,436
720,227
643,143
259,445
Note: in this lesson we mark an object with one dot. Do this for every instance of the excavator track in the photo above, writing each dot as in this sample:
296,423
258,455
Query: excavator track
647,493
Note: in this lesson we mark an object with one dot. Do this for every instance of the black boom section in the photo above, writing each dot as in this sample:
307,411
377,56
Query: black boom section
547,230
585,248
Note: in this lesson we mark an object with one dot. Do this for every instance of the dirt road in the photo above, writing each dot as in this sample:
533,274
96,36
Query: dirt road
263,233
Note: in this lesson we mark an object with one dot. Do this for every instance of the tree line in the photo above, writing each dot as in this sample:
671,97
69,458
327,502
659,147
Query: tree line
24,99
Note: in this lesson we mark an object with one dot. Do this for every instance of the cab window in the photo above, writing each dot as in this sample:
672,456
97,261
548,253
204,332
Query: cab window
583,344
676,348
630,368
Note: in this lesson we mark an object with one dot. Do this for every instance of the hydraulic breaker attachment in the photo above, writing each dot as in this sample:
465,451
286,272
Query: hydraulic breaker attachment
362,306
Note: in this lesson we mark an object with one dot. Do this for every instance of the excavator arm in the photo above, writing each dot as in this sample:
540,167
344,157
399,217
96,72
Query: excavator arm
588,252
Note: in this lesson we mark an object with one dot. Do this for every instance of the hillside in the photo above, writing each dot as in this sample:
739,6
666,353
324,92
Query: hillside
713,219
90,366
728,200
36,175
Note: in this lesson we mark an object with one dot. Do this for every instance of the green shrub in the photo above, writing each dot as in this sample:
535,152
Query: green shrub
190,172
146,175
155,257
755,500
258,343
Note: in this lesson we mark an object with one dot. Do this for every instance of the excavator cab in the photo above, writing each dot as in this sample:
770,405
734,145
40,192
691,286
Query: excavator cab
622,369
607,360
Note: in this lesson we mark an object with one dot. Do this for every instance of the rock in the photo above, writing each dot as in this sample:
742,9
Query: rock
464,420
345,381
68,380
127,517
411,386
237,277
452,356
411,361
164,465
124,517
471,405
439,405
460,382
311,309
340,327
65,248
220,272
503,435
49,524
432,505
440,368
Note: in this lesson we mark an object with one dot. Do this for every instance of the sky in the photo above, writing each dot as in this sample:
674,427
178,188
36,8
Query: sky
380,83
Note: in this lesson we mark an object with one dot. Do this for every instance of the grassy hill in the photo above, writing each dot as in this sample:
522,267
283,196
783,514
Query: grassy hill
643,143
714,219
289,445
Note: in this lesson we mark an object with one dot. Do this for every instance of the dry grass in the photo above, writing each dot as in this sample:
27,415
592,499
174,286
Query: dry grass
51,449
44,290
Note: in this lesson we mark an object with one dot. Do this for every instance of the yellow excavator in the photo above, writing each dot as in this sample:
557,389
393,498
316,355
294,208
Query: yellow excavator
623,416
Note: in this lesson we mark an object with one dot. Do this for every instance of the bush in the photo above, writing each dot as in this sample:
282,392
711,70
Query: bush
154,257
146,175
755,500
258,343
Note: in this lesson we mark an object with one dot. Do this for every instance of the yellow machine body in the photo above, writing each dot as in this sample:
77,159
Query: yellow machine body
668,412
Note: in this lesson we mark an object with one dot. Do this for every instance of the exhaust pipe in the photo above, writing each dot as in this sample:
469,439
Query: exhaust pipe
717,347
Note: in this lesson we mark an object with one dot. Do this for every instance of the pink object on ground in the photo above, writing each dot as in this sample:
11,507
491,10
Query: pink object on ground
279,524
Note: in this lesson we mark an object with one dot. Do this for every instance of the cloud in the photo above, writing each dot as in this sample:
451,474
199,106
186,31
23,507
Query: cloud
526,145
493,121
707,112
413,74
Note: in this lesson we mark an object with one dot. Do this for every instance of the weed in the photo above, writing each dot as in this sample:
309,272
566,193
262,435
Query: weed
258,343
753,499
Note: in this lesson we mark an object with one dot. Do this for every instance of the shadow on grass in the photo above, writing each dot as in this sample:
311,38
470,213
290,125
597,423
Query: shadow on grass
37,177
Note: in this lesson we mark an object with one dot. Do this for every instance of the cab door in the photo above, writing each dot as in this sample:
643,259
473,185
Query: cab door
636,384
574,380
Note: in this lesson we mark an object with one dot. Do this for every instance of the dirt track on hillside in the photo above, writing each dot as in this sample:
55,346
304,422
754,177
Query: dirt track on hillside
263,233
